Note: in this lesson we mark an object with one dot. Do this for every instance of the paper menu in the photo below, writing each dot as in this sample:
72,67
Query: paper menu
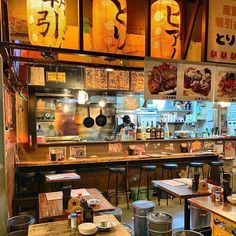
62,176
172,182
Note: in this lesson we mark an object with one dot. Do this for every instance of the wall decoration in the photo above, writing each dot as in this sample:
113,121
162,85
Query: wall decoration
59,77
160,79
221,31
137,81
118,80
59,151
197,82
46,22
165,29
95,78
37,77
225,84
109,25
131,103
114,147
77,151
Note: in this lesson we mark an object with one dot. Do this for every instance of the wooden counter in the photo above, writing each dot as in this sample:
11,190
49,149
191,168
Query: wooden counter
104,159
61,228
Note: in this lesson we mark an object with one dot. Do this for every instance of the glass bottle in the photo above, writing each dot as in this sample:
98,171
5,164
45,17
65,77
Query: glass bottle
139,132
161,131
166,131
148,131
152,131
158,134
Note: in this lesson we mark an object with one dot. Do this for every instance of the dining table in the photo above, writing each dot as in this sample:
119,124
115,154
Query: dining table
51,204
63,229
181,188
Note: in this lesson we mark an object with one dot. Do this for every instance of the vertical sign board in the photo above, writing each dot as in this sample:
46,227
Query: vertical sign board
3,198
222,31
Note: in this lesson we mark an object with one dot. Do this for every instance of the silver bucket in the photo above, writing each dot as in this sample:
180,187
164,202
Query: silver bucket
159,224
199,218
20,222
141,209
187,233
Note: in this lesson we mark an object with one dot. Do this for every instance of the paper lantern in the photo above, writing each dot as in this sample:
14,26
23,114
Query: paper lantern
109,25
165,29
46,22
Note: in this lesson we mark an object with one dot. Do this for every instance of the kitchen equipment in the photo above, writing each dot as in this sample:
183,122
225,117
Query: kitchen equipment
87,228
182,133
105,225
159,223
93,202
141,209
199,217
101,120
88,121
187,233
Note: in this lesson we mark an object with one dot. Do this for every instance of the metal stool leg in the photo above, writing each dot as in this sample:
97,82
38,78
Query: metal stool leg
203,175
139,183
125,189
108,184
148,186
188,172
116,189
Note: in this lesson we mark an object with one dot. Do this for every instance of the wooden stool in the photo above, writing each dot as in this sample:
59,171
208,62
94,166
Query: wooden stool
118,170
196,166
168,168
148,169
215,172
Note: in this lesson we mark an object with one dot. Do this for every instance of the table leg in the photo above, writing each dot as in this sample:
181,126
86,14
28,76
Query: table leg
186,215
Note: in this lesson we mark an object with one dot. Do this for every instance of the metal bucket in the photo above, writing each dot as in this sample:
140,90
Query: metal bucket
141,209
187,233
20,222
199,218
159,224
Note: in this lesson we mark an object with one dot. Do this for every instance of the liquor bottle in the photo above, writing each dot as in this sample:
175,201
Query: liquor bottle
161,131
152,131
148,131
158,134
166,131
139,132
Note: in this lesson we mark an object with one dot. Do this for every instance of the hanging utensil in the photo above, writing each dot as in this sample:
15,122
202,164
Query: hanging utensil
101,120
88,121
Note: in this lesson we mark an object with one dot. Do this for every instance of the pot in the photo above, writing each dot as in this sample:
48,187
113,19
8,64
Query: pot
88,121
101,120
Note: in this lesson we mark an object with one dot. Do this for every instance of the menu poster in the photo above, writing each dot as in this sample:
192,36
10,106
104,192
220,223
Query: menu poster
37,77
95,78
196,82
114,147
229,149
137,81
77,151
59,151
225,85
59,77
160,79
221,31
119,80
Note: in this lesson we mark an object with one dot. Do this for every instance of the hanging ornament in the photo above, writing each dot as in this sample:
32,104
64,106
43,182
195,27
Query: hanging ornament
109,25
165,29
46,22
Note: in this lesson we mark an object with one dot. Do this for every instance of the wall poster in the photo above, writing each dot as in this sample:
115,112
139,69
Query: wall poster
221,31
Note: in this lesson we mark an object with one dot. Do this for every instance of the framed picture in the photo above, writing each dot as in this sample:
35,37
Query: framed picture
77,151
57,153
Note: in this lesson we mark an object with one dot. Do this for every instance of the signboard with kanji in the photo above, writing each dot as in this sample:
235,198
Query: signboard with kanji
222,31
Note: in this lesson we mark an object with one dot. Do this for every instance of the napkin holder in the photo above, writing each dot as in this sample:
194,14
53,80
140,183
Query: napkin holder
202,187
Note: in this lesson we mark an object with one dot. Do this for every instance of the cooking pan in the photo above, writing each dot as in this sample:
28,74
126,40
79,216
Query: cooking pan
101,120
88,121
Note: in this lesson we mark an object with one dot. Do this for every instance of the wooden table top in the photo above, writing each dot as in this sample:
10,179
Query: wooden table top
61,228
53,209
103,159
225,209
182,191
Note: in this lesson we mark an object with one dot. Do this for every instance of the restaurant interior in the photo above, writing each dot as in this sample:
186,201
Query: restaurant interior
118,117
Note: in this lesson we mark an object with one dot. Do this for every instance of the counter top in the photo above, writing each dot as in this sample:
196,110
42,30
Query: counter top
102,159
137,141
226,210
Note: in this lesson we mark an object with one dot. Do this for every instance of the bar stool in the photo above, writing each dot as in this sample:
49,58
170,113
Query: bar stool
168,168
26,183
215,172
42,181
64,172
122,171
149,169
196,166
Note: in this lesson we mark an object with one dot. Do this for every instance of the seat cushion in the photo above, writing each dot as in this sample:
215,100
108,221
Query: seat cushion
170,166
117,169
148,167
196,164
27,175
216,163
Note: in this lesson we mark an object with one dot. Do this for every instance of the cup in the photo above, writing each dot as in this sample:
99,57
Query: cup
53,157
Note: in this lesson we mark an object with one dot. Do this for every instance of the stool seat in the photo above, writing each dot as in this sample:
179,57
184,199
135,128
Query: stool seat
27,175
216,163
148,167
118,169
170,166
67,171
196,164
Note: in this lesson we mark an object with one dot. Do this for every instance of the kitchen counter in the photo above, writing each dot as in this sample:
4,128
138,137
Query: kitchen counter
104,159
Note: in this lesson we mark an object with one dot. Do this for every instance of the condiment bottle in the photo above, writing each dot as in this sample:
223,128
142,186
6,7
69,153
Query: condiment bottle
73,217
79,219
